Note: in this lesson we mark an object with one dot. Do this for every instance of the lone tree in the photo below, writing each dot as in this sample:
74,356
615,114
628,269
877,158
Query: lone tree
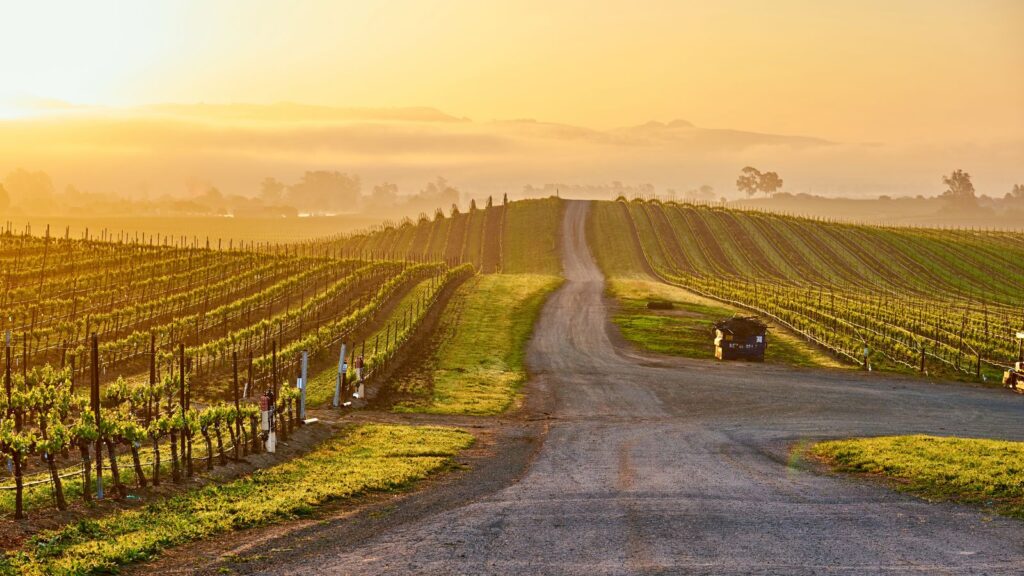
770,183
752,181
959,189
749,180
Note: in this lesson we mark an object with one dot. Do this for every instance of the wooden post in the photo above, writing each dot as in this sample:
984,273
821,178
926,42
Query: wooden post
305,382
18,479
94,398
185,443
238,426
7,371
72,365
248,379
273,368
152,376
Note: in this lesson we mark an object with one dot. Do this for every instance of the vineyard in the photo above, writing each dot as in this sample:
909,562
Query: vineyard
138,359
513,238
946,301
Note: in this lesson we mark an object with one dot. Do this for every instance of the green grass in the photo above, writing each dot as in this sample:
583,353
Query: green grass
371,457
531,237
987,472
478,368
686,330
611,241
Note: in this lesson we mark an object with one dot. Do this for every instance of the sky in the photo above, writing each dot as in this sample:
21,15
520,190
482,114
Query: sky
938,79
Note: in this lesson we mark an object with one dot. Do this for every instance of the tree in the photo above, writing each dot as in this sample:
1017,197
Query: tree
213,199
324,190
5,199
271,191
705,193
1017,194
439,191
769,183
959,189
749,180
30,191
384,196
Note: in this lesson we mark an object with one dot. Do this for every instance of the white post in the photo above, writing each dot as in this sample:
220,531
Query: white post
337,380
302,391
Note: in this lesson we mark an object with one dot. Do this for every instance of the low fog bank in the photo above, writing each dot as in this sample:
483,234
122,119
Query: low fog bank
287,161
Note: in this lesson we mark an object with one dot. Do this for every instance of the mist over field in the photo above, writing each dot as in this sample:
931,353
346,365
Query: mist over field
397,110
157,156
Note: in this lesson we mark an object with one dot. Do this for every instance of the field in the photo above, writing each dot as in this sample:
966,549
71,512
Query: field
148,352
517,238
144,357
155,351
478,367
380,346
942,301
686,329
367,458
216,228
986,472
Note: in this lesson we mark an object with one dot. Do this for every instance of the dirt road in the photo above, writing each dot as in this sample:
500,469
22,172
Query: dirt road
675,466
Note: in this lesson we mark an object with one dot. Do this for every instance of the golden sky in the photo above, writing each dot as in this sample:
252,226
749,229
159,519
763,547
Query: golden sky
890,94
892,70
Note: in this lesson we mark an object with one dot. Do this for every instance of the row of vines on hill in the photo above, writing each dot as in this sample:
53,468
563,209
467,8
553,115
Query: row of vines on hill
472,237
148,326
912,298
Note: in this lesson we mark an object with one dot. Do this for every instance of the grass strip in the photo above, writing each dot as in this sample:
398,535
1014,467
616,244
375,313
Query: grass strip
479,367
370,457
531,239
968,470
686,329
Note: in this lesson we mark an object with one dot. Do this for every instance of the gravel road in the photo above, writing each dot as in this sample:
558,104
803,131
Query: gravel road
669,466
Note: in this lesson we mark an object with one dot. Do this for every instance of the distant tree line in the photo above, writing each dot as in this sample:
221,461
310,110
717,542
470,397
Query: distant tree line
315,192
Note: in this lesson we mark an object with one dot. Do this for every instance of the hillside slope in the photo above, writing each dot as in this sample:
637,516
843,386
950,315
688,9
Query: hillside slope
516,238
946,299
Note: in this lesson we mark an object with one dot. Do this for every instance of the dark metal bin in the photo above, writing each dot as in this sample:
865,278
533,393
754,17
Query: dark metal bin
741,338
